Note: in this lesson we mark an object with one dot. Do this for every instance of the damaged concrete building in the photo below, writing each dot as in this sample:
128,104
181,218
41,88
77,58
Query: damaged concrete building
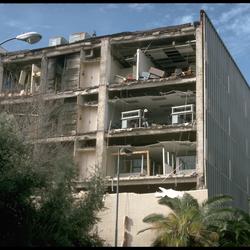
168,105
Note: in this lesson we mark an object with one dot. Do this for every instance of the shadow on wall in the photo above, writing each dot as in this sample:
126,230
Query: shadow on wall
127,237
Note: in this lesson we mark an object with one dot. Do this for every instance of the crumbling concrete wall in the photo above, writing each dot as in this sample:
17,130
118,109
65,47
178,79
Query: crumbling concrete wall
135,207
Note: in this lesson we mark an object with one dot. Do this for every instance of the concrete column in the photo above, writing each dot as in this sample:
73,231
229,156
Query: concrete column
81,76
103,105
163,161
199,109
44,73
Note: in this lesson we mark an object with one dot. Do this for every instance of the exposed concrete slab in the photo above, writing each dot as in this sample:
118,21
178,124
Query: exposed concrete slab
87,136
26,55
144,180
151,131
59,95
131,38
151,83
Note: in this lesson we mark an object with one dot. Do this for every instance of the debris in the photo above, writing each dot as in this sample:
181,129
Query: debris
145,75
169,192
188,72
130,78
156,72
154,77
120,79
178,72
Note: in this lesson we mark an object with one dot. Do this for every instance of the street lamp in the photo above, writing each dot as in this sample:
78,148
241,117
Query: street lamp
128,152
29,37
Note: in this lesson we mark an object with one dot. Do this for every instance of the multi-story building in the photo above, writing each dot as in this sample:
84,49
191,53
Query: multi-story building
169,106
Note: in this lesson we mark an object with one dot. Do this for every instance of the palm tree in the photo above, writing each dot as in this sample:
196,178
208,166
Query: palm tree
189,224
235,232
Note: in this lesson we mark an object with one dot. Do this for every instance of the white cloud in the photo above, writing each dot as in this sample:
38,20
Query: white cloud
234,29
108,7
182,20
234,13
212,7
13,24
140,7
21,26
169,20
187,19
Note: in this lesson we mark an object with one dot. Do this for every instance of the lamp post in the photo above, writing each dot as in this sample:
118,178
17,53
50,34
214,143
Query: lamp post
29,37
126,151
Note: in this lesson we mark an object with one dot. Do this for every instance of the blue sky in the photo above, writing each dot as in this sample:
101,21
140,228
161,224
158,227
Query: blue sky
232,21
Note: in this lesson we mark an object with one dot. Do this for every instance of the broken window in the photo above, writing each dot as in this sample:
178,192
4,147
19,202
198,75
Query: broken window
133,165
152,111
123,64
60,117
166,158
185,163
22,78
86,144
165,58
63,73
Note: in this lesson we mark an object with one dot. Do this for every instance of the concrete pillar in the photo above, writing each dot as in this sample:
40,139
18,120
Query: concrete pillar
200,109
81,76
103,105
163,161
44,73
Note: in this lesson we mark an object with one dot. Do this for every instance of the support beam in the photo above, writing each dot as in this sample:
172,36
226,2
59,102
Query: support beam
163,161
200,121
105,65
142,159
82,65
44,73
172,160
148,164
168,160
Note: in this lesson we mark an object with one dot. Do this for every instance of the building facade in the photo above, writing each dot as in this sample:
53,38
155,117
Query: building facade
168,105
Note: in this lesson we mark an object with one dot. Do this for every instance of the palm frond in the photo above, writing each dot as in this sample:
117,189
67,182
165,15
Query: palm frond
217,201
152,218
190,201
172,203
145,229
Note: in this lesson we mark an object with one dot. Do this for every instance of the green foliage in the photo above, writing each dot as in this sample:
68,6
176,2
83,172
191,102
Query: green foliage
213,223
17,182
37,204
235,231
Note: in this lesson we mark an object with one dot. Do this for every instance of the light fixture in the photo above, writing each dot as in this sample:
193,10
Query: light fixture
29,37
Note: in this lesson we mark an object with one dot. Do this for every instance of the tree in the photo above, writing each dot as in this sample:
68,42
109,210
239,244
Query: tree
189,224
17,182
235,232
37,196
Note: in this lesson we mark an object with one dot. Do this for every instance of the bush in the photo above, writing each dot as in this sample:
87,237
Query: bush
37,204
